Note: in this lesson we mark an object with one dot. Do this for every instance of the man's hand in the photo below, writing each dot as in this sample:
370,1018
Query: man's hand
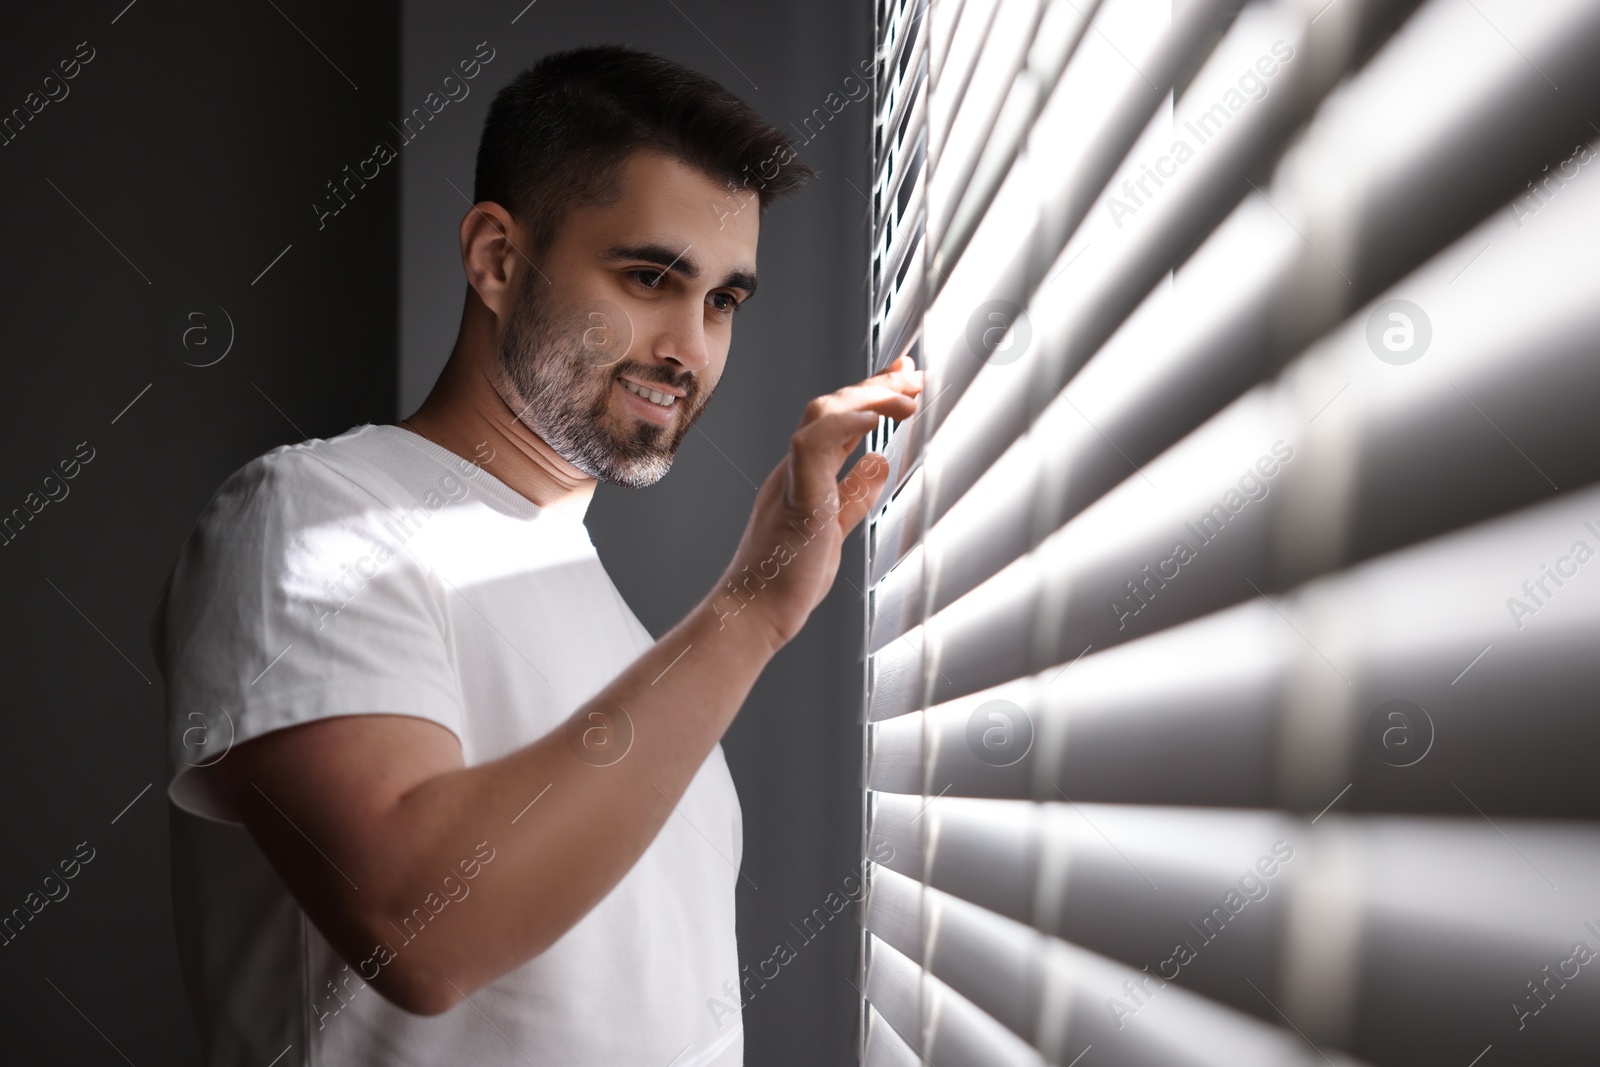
789,554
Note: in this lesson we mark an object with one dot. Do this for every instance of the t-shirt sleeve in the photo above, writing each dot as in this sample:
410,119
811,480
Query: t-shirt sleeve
293,600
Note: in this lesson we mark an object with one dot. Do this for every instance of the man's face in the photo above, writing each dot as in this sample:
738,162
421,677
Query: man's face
618,339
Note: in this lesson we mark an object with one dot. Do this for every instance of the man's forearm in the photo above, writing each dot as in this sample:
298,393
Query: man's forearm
383,802
568,815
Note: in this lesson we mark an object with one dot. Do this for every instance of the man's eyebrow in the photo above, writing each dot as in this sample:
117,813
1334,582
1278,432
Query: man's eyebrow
679,262
741,279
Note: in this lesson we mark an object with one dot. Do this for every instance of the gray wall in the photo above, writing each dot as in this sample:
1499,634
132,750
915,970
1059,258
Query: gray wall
184,158
794,749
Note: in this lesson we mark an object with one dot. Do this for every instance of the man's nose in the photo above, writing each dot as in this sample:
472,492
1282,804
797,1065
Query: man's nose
681,341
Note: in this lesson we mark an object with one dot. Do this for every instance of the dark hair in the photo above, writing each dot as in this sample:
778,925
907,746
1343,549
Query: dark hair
558,134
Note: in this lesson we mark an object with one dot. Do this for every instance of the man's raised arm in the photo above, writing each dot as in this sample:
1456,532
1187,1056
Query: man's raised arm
360,815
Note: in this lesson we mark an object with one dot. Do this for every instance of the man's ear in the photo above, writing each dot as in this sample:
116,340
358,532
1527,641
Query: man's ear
493,255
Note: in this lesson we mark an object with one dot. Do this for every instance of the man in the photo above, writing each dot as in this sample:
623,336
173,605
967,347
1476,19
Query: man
438,759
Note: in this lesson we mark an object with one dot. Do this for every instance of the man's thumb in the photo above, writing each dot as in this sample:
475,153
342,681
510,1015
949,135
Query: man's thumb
859,490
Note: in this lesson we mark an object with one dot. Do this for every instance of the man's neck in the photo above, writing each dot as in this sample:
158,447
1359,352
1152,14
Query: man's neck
465,415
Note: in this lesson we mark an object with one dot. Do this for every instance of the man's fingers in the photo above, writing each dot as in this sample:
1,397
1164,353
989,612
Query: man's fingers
900,378
904,368
832,436
819,448
832,426
894,403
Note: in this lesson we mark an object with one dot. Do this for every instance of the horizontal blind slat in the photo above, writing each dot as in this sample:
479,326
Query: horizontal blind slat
949,80
990,961
1061,29
999,60
959,1033
885,1047
942,27
900,72
896,171
900,323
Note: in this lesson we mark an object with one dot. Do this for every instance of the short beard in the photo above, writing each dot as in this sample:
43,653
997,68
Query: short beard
561,388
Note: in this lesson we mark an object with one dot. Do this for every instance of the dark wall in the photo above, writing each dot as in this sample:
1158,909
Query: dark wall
176,185
183,159
794,750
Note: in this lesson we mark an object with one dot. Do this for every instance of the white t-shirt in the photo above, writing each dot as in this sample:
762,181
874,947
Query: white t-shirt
376,571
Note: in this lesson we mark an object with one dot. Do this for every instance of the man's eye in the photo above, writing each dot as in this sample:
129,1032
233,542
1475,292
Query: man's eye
728,304
650,279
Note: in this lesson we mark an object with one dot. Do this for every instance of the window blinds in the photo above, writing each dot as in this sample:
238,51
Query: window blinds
1230,688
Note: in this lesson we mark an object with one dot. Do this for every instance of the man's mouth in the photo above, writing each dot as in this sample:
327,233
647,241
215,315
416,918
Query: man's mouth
650,404
658,397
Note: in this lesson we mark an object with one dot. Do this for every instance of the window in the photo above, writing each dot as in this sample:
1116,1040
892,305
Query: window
1230,681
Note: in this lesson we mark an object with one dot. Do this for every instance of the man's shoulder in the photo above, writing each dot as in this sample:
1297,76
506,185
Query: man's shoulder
342,464
361,470
289,519
271,507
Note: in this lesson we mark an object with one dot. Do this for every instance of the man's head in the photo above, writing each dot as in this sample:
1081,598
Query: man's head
636,188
